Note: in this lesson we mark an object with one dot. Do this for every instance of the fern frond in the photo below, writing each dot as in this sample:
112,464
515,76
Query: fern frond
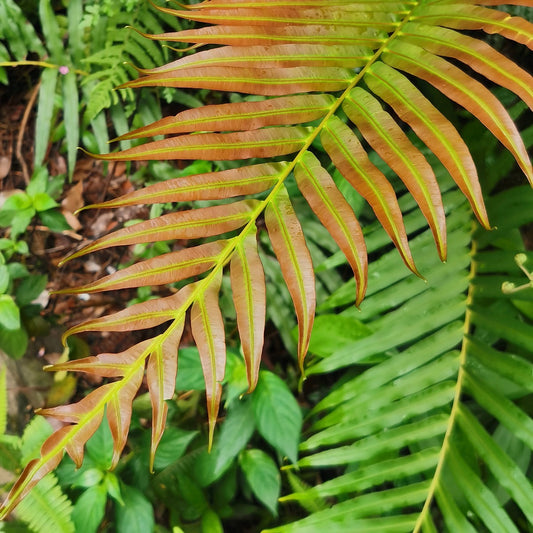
366,54
110,63
423,410
46,509
18,34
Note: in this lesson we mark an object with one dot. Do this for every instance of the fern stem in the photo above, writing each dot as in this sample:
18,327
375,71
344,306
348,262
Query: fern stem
42,64
457,396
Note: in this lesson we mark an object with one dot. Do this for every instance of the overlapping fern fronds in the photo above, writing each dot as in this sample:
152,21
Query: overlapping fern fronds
436,434
335,76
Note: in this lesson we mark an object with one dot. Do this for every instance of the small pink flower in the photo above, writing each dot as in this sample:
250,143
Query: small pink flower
63,70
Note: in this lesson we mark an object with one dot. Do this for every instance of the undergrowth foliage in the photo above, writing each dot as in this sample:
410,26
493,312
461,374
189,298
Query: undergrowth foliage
336,76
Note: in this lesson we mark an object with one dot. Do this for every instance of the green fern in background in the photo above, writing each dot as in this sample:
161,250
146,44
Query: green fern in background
114,48
47,509
430,426
84,54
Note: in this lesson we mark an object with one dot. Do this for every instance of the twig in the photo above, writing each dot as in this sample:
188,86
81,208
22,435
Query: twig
24,122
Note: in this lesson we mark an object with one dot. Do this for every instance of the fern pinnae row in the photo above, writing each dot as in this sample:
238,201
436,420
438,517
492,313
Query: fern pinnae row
456,404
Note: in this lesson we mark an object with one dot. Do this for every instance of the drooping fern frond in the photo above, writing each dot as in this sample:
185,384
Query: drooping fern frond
430,437
344,73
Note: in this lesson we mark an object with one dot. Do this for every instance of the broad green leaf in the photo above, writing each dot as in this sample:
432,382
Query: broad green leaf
51,30
502,466
136,515
479,497
235,433
30,288
14,342
89,509
172,446
387,441
71,118
3,400
371,476
277,414
330,326
263,476
9,313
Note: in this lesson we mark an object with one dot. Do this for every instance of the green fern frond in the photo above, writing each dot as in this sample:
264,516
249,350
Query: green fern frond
18,34
119,48
408,432
46,509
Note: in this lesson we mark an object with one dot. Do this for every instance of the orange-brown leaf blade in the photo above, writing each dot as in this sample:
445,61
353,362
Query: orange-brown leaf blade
384,134
160,270
241,181
208,332
335,213
275,56
191,224
288,243
432,127
108,365
161,377
352,161
119,409
86,415
143,315
286,110
462,16
270,35
249,298
261,81
475,53
36,469
464,90
268,142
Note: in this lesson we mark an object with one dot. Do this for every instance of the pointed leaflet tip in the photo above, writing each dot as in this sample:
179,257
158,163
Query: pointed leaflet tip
208,332
249,298
288,243
351,159
161,378
336,215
